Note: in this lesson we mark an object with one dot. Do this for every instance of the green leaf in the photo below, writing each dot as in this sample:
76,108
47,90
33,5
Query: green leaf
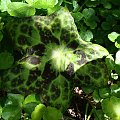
88,89
113,36
106,26
38,113
109,60
117,43
92,3
106,4
75,5
116,13
30,98
6,60
96,96
104,92
115,90
44,3
52,114
54,9
3,5
1,36
0,111
20,9
11,112
30,103
29,107
90,18
117,62
59,2
13,107
86,35
16,99
99,115
88,13
77,16
111,107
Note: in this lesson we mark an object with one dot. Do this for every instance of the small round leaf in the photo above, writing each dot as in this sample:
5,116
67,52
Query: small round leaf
112,36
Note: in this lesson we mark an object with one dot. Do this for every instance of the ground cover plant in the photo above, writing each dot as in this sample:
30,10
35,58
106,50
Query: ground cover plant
59,60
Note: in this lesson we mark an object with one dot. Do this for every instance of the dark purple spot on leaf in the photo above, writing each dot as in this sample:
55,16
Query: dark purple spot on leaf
34,60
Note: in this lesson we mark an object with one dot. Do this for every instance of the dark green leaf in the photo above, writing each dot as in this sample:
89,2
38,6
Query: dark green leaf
13,107
96,96
29,107
104,92
109,60
86,35
115,90
117,62
99,115
1,36
77,16
6,60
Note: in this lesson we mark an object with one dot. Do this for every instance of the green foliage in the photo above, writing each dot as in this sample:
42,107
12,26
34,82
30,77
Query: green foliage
13,107
43,3
0,111
115,90
15,103
6,60
1,36
52,114
38,113
23,9
117,62
47,113
29,103
20,9
3,5
56,53
114,104
115,37
89,17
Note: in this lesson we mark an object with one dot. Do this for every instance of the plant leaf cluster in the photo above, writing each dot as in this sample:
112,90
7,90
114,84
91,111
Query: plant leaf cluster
97,21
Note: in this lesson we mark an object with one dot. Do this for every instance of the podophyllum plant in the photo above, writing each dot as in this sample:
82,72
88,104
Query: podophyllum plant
46,59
